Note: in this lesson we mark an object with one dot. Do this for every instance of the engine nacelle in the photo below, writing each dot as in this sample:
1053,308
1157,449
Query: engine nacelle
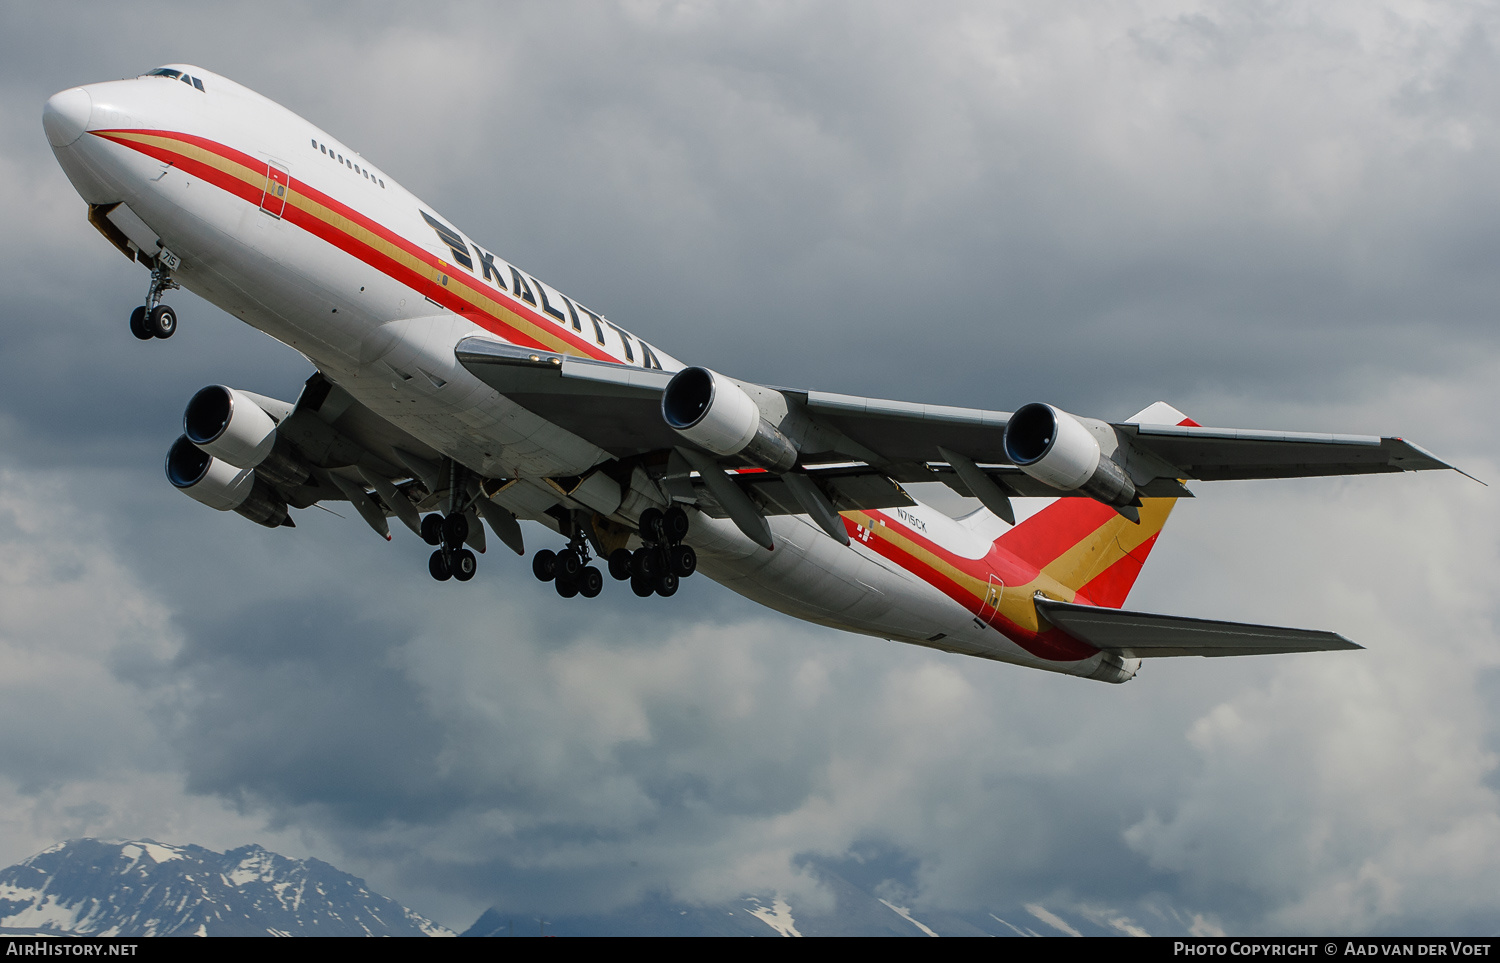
713,412
1057,449
220,485
232,427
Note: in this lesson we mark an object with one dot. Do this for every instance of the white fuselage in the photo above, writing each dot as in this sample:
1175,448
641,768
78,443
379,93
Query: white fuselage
341,281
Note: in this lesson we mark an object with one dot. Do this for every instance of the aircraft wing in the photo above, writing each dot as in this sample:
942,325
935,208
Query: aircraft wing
1139,635
1213,454
618,408
615,406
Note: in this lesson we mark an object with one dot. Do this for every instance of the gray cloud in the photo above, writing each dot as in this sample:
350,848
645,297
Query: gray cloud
1274,217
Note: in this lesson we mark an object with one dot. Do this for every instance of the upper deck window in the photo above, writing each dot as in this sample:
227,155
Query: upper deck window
347,162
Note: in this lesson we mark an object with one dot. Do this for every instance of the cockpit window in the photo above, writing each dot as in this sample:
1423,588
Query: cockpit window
171,74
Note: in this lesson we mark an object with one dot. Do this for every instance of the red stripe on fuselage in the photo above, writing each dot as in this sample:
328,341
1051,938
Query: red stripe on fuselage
444,296
1054,645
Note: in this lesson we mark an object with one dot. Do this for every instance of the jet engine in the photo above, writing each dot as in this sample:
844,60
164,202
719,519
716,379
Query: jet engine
232,427
1060,450
222,486
713,412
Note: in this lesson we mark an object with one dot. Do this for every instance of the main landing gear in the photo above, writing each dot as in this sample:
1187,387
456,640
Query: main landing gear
451,560
654,568
569,570
154,319
657,566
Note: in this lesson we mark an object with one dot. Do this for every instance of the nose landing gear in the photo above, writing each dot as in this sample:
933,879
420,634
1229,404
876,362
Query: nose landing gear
154,319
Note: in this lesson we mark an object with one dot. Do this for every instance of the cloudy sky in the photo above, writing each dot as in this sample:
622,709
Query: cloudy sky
1271,215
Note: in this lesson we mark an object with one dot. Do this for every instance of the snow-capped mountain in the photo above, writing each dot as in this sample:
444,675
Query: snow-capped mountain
89,887
855,908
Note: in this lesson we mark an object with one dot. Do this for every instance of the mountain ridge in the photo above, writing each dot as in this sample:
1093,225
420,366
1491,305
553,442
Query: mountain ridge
140,887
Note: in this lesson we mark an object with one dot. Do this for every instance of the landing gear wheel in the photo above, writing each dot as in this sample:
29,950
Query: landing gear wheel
455,529
675,524
162,321
544,565
682,561
138,324
666,585
641,587
566,587
590,582
619,564
464,565
439,566
650,525
568,564
432,529
645,564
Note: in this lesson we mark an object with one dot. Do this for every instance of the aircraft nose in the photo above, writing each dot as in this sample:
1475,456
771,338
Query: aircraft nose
66,116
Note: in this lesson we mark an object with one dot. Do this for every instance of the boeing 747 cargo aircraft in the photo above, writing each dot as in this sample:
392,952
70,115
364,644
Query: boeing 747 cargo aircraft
454,391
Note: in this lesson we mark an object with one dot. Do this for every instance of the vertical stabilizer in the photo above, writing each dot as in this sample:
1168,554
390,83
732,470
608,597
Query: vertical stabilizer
1087,546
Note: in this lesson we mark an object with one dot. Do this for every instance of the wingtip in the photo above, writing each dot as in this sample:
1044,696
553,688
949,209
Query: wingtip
1437,462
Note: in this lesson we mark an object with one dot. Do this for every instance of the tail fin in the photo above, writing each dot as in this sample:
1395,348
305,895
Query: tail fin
1087,546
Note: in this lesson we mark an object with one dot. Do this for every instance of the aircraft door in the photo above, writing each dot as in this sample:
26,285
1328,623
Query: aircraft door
278,185
991,603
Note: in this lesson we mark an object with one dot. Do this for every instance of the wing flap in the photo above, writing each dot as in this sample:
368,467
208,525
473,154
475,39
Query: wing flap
1140,635
848,488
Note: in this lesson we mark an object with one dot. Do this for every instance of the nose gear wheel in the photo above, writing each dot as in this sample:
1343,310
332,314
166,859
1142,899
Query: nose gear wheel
154,319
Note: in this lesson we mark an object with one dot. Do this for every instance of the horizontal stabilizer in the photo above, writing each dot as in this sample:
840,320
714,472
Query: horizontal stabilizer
1139,635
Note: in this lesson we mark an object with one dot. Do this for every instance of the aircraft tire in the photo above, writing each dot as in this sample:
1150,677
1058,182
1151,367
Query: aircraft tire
544,565
566,587
675,524
666,585
464,565
619,564
590,582
682,561
138,324
439,566
432,529
455,529
650,525
644,564
162,321
568,564
641,586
